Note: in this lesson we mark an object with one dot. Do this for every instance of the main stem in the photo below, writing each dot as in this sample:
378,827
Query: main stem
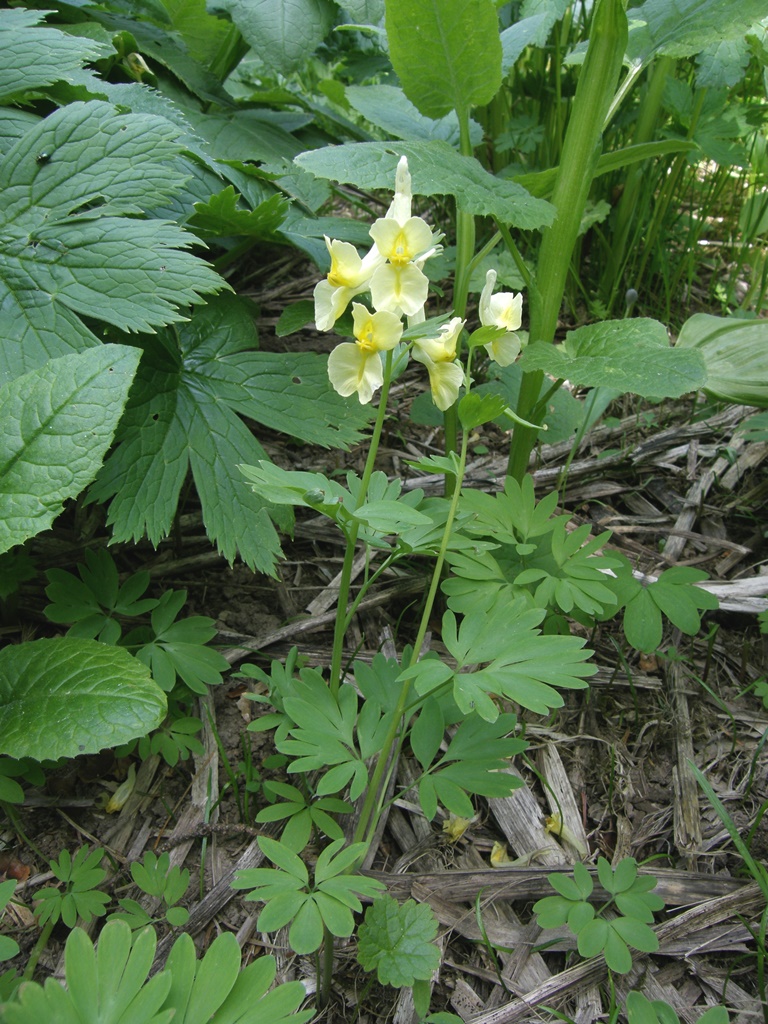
581,150
465,250
340,627
372,796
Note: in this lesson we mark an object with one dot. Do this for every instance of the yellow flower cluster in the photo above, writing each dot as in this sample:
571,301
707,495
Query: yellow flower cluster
392,272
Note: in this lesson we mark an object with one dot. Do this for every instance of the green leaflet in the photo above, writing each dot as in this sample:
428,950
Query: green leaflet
73,186
31,60
446,53
681,28
397,941
56,423
282,35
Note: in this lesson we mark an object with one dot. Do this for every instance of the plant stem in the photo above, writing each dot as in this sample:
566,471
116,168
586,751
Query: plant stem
37,949
340,627
581,150
465,249
327,968
366,814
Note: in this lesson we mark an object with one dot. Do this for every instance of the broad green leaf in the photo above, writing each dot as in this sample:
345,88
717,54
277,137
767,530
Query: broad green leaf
294,317
202,33
531,31
446,53
283,35
245,136
366,12
436,169
397,940
389,108
193,385
722,64
56,423
68,242
626,355
642,622
33,56
681,28
735,354
65,696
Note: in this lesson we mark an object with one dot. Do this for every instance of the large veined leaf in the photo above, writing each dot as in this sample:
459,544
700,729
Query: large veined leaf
447,53
627,355
681,28
193,385
66,696
735,353
436,169
56,423
72,239
282,33
31,60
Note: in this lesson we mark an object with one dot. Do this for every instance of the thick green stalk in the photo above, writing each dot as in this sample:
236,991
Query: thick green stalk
340,627
645,130
231,51
465,250
373,794
581,151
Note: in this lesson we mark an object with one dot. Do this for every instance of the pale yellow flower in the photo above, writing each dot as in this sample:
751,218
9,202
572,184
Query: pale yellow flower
401,243
443,347
504,311
439,356
399,289
349,276
356,366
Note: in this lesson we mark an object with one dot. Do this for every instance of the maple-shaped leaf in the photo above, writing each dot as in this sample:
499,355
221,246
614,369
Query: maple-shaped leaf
193,384
397,940
74,240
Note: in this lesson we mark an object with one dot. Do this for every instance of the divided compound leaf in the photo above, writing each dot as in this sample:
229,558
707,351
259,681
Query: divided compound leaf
192,388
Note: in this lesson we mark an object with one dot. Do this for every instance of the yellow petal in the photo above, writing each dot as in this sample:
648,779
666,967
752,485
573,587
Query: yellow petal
505,349
123,791
504,310
455,827
499,856
399,289
351,370
401,243
375,332
445,379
